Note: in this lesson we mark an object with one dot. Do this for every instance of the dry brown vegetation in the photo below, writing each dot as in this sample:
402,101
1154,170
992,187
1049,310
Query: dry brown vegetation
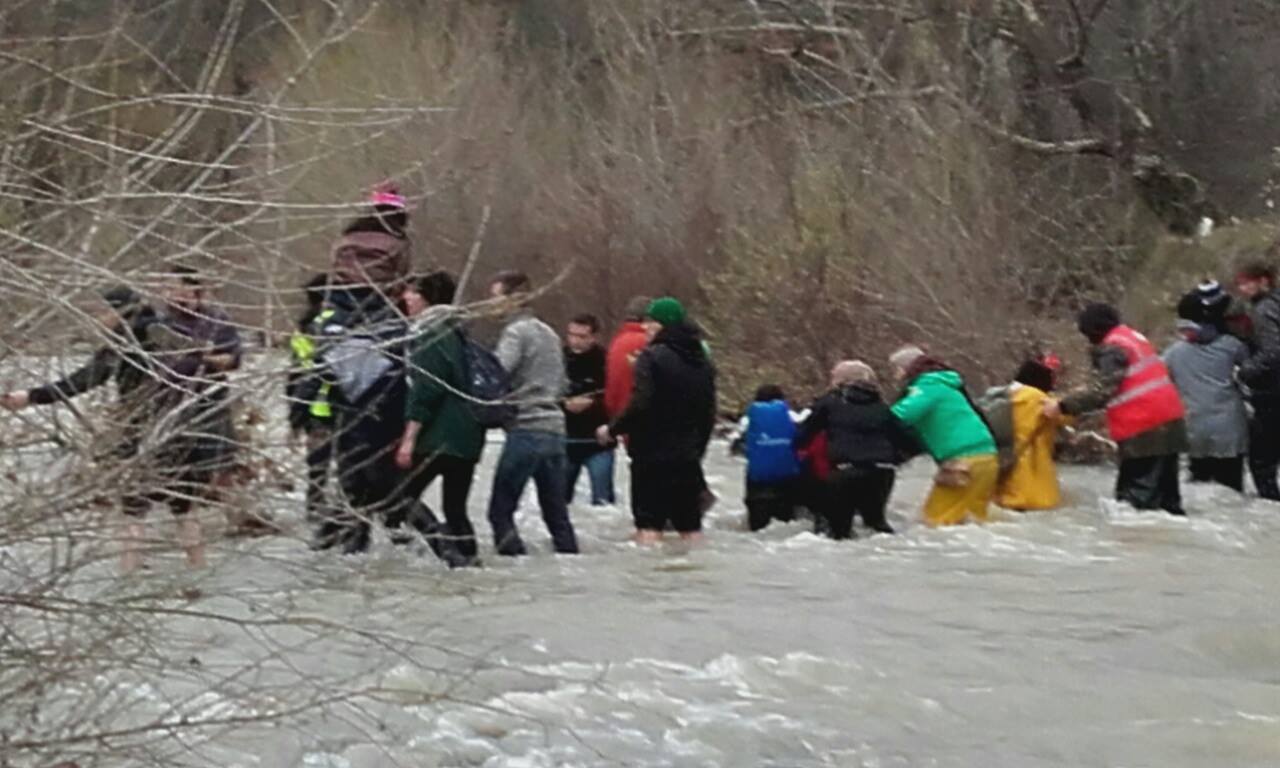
820,177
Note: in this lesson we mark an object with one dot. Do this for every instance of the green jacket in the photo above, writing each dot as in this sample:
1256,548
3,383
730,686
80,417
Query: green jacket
937,408
437,374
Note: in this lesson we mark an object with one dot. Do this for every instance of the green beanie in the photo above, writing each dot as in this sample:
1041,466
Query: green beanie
666,312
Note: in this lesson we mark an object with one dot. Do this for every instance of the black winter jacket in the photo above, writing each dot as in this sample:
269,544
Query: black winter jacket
586,377
126,360
1262,371
361,350
861,430
673,407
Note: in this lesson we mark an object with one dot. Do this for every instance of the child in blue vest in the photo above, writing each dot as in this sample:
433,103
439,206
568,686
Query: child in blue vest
773,471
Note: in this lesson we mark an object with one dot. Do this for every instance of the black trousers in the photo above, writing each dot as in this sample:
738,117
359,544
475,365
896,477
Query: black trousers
1151,483
863,491
767,502
319,459
1264,448
1228,472
667,493
456,474
370,483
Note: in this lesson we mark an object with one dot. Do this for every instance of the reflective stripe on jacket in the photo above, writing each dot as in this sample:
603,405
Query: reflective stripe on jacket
1147,398
304,351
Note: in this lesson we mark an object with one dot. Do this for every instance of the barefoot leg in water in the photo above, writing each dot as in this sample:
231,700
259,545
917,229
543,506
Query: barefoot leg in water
191,538
131,555
648,538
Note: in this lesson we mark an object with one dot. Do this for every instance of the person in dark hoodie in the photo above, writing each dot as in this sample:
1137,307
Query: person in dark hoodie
361,337
1256,282
1202,365
668,423
1144,411
865,443
311,419
584,410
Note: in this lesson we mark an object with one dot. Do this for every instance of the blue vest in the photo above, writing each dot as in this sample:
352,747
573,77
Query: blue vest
770,443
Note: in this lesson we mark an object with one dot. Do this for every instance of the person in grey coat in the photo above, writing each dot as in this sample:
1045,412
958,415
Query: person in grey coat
1202,365
531,353
1256,282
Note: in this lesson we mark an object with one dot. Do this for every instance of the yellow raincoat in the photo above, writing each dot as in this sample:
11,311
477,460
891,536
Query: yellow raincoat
1032,484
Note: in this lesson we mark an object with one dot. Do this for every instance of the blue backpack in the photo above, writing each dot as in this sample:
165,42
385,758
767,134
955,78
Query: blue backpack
770,443
488,384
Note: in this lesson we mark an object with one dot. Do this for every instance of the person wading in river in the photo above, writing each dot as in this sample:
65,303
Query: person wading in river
935,405
620,361
585,410
530,352
1031,482
1202,365
361,357
1256,282
668,424
865,443
131,358
773,468
442,438
1144,411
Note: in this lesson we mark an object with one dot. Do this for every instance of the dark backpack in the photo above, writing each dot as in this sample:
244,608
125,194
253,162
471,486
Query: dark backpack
996,408
488,385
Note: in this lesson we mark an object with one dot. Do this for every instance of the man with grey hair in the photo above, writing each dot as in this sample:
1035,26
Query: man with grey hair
865,443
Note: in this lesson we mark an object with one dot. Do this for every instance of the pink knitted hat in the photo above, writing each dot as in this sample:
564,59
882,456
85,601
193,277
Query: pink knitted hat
388,194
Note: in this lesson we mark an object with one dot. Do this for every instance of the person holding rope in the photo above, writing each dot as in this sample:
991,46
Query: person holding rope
951,429
864,446
530,352
1144,412
128,358
1031,481
584,410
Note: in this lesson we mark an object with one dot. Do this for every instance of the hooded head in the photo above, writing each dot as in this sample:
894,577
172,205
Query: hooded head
1096,321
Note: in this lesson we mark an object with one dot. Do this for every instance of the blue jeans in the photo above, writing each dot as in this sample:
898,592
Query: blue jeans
599,466
537,456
